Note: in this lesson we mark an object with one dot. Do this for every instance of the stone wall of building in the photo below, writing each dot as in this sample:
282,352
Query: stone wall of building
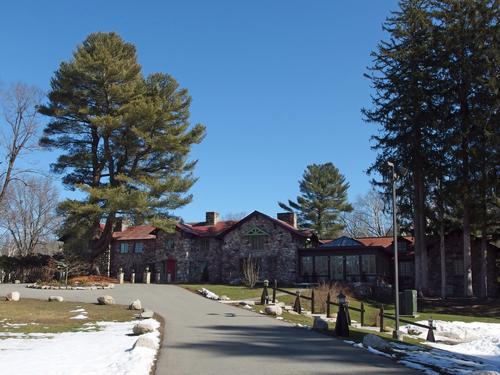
132,260
278,258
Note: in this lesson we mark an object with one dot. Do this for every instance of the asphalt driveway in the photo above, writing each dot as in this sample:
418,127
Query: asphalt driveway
206,337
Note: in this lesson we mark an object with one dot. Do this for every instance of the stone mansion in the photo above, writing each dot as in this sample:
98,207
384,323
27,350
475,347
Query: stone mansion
214,251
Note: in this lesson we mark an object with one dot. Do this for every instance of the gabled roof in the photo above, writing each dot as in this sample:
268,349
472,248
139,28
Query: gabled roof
201,229
138,232
284,225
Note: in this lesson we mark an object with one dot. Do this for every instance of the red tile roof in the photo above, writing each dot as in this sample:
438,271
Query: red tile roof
206,230
381,241
139,232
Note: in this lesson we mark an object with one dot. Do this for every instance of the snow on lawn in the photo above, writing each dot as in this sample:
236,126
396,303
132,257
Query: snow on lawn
475,339
462,348
107,351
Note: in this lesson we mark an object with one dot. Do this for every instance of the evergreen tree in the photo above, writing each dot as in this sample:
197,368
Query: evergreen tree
322,200
125,138
402,75
468,50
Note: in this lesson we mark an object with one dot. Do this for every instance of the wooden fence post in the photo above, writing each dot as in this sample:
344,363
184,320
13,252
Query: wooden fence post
430,333
362,314
275,286
381,313
296,306
312,301
328,312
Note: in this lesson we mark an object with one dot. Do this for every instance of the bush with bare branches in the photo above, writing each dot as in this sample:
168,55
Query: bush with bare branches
251,272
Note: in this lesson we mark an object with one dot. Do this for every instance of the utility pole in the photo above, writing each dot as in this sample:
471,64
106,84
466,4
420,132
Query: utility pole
395,334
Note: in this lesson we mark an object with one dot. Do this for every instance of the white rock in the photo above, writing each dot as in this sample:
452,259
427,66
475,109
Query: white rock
142,328
273,310
224,298
320,324
247,307
250,303
375,342
146,314
145,342
281,304
135,305
56,299
106,300
13,296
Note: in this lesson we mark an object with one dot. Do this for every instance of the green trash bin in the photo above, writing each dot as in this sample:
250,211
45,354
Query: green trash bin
408,302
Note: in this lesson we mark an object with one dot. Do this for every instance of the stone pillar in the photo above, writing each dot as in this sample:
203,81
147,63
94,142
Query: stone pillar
132,277
147,276
120,276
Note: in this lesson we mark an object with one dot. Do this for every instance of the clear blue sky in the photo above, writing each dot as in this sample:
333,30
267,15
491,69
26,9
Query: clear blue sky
279,84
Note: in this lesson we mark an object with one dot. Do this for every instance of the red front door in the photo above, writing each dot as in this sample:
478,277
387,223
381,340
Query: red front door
170,270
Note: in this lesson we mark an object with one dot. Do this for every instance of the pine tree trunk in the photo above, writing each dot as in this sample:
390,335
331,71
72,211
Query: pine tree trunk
442,253
468,291
419,223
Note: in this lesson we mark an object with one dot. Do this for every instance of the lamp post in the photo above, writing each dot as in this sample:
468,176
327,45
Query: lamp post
395,334
342,324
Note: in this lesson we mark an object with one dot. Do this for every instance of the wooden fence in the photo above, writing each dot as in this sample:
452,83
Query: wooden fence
297,307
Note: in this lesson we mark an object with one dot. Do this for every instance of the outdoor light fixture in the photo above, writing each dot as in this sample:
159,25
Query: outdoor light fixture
341,299
395,334
342,322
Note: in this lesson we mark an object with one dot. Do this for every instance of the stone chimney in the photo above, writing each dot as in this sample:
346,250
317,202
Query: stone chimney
211,218
288,217
118,225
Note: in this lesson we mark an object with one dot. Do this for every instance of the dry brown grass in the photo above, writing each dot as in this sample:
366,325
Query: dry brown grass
46,317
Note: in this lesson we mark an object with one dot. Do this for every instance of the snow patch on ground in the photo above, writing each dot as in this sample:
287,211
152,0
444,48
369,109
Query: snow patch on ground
481,340
80,316
208,294
107,351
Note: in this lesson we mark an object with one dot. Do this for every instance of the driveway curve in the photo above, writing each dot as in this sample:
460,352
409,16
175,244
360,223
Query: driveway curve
207,337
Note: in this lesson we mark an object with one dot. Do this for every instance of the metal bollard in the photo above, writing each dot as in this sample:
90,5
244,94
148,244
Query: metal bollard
132,277
274,290
120,275
264,298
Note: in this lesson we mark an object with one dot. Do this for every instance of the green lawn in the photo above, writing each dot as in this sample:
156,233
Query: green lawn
37,316
480,313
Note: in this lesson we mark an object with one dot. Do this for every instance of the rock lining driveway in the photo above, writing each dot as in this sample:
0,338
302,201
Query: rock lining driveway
207,337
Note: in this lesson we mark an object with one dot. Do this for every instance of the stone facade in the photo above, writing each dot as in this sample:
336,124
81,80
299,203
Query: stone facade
212,251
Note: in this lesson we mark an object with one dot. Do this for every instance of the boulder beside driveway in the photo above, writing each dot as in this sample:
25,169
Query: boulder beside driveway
105,300
56,299
371,340
13,296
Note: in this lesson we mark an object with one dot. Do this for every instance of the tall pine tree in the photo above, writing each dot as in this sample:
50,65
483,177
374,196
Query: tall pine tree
322,200
124,138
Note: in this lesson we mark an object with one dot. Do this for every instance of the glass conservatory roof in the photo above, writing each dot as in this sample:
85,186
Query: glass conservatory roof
343,241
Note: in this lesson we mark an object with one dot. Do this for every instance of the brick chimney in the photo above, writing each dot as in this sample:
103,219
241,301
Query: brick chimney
211,218
288,217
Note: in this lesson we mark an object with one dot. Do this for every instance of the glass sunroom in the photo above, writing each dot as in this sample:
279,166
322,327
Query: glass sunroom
344,259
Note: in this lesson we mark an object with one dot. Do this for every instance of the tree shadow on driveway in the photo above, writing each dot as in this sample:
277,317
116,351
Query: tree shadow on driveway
298,347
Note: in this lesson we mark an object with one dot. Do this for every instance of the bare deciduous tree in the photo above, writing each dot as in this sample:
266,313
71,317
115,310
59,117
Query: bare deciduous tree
29,214
369,217
19,107
251,271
